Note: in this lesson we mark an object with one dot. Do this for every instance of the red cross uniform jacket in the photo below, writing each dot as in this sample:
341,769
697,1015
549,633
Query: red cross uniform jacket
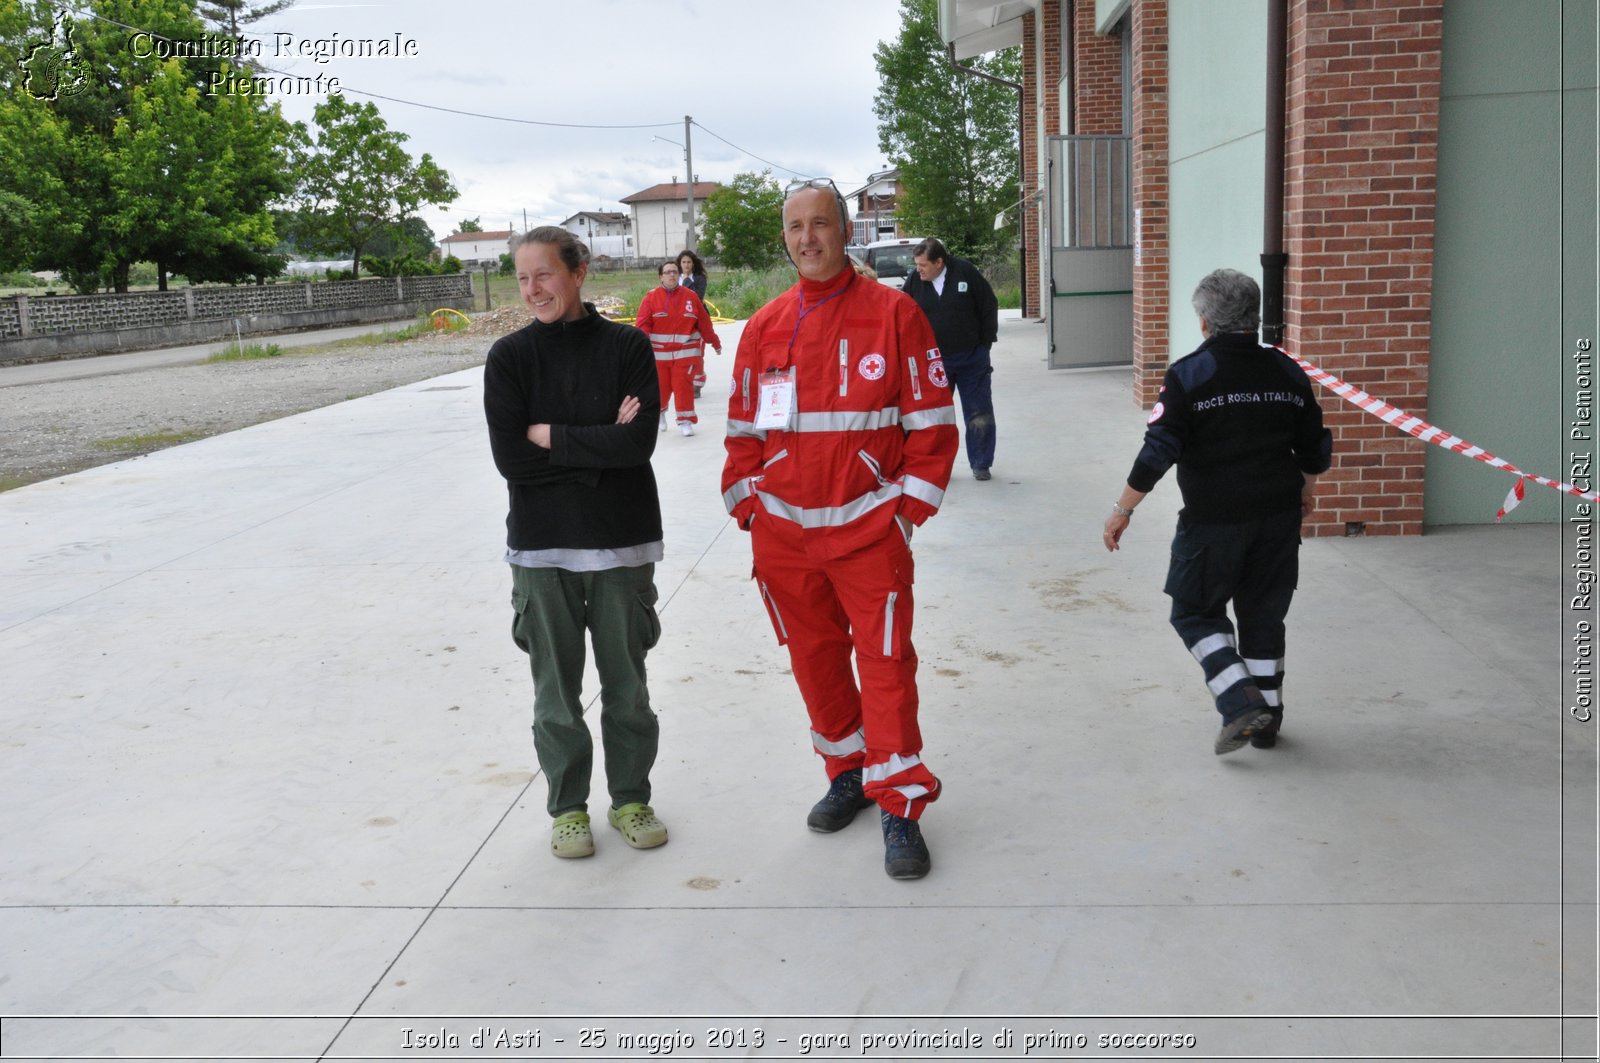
676,321
871,432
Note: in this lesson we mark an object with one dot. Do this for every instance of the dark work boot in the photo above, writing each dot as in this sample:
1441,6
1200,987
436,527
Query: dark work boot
905,854
840,804
1267,737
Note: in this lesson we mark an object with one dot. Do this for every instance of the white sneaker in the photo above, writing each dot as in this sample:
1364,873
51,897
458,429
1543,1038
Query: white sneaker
663,425
686,428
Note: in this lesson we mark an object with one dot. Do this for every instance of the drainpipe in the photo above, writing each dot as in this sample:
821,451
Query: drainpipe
1022,158
1273,258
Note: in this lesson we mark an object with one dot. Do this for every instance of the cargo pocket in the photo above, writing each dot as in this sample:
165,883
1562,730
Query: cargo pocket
648,630
1186,573
897,608
773,613
519,607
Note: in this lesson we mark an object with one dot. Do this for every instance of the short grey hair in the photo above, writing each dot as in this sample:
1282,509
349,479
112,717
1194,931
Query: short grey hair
572,251
1230,301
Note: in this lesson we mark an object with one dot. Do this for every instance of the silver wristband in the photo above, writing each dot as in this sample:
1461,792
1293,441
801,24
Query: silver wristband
1120,510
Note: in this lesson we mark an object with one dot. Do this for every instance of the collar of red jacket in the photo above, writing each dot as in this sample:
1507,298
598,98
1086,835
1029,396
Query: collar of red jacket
812,292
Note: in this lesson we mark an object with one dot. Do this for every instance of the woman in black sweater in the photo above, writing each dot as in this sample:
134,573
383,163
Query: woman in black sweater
571,402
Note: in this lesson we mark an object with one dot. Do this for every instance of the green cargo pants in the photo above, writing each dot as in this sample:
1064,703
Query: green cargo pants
617,607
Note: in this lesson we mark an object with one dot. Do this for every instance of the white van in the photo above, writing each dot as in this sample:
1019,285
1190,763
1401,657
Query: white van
891,260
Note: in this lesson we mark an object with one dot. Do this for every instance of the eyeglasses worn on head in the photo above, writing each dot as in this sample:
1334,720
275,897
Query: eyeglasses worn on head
800,184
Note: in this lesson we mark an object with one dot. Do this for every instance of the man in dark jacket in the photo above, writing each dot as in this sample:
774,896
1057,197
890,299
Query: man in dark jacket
1242,424
965,317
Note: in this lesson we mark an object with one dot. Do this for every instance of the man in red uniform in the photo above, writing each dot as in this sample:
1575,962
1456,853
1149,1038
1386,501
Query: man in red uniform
679,326
841,435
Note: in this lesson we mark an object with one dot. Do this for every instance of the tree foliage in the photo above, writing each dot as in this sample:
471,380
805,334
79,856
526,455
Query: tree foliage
231,16
744,222
358,181
131,158
470,225
953,135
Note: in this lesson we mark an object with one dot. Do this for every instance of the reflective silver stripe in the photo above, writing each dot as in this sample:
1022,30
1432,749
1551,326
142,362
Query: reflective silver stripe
741,490
910,793
929,418
888,623
783,631
779,456
1274,698
923,491
1260,666
1209,645
847,745
674,337
745,430
1226,678
893,766
829,516
847,420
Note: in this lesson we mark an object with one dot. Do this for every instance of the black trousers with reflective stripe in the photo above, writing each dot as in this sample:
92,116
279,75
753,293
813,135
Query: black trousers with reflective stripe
1254,566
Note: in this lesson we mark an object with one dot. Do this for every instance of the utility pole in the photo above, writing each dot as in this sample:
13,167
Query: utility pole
688,180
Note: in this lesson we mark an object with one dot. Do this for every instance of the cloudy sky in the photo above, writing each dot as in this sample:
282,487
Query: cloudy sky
789,83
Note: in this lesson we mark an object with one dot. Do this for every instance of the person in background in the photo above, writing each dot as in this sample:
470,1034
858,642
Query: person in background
678,326
567,400
692,275
1242,424
841,434
965,317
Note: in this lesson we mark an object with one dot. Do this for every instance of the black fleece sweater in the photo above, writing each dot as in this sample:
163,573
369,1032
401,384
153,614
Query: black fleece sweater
1242,424
594,488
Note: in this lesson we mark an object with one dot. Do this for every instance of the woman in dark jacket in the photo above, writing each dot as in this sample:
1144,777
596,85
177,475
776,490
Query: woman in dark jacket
692,275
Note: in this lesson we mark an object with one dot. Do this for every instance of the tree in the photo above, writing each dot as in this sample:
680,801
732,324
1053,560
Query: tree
127,157
412,238
953,135
470,225
744,222
232,15
358,180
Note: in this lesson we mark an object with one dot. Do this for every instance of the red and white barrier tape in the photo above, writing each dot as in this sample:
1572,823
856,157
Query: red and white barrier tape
1428,433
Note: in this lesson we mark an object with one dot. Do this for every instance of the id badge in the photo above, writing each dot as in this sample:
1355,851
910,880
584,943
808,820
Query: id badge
777,399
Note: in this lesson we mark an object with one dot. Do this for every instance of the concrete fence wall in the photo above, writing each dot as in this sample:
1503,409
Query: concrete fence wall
34,327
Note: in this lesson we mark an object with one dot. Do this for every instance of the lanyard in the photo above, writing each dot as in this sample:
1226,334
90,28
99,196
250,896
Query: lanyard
800,300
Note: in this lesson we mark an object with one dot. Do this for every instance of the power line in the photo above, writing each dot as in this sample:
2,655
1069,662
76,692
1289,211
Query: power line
753,155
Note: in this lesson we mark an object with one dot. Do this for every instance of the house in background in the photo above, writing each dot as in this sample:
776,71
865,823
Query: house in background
1439,214
874,205
607,233
661,217
476,250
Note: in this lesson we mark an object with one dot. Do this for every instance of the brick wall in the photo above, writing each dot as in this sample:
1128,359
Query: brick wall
1150,198
1096,76
1363,136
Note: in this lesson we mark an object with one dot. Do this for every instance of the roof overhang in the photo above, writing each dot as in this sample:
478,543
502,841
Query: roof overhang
977,27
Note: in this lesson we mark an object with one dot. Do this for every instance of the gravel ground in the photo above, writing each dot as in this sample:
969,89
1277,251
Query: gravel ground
54,428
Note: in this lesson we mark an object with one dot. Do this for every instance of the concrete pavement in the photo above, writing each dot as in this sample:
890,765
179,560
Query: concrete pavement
267,760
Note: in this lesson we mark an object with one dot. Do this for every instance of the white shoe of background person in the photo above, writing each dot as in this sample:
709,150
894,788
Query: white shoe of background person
686,428
663,425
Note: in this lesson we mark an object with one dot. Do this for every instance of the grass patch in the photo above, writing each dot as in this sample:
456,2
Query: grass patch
245,352
147,441
8,483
